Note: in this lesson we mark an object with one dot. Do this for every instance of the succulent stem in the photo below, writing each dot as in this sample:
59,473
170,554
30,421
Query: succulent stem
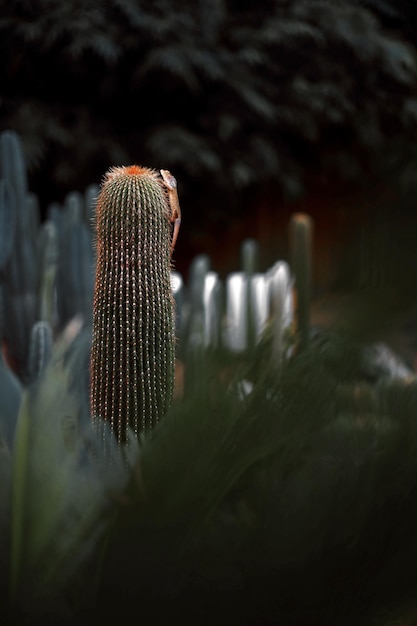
301,245
132,358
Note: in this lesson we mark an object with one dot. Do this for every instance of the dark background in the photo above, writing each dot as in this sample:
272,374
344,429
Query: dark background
258,108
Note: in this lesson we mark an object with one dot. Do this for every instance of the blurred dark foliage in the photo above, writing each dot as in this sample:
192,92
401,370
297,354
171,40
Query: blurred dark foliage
236,98
229,95
292,503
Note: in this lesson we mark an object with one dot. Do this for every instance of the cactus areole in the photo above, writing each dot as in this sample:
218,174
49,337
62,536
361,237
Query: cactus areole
132,357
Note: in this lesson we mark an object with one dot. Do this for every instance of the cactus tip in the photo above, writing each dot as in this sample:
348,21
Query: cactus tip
129,170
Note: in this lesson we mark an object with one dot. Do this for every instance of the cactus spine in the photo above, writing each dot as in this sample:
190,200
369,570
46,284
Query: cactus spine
132,357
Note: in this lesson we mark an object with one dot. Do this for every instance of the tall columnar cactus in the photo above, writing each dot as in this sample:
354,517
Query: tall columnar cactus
20,277
301,246
132,358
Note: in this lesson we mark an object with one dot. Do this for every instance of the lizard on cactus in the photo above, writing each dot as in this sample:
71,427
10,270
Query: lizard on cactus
132,356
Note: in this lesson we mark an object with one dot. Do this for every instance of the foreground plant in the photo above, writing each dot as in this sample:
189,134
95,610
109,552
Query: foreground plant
132,358
57,487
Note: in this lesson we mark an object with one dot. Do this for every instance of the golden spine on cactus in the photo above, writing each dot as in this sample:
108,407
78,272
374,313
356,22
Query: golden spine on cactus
132,356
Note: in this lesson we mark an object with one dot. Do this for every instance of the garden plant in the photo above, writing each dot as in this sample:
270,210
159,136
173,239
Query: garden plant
276,484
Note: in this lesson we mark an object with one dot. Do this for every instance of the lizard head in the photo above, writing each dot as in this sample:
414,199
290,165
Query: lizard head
169,180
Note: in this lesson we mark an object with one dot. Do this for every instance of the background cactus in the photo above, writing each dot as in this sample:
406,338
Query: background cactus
20,270
40,349
132,358
10,389
7,221
301,237
76,279
48,256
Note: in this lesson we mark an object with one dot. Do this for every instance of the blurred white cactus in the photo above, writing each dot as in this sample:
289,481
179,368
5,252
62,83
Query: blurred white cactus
280,283
212,309
236,311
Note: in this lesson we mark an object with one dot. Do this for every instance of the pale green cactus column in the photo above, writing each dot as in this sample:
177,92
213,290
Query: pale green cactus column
132,357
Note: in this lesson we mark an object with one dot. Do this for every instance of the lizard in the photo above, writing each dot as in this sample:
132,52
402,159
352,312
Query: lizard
170,183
